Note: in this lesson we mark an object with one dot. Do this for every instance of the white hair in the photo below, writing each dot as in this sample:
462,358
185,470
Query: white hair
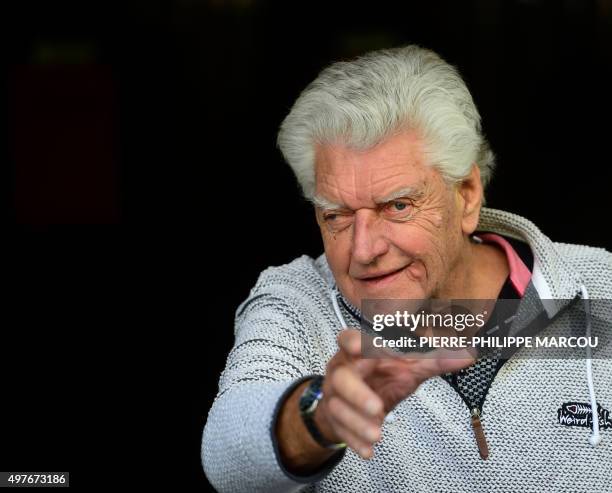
362,102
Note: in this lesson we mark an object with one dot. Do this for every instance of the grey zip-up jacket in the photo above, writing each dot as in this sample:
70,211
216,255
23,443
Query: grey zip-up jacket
286,331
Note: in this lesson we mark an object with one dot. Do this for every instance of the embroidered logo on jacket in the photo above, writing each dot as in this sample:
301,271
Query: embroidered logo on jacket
579,414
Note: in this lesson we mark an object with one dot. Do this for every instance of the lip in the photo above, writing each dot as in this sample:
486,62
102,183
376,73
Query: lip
379,281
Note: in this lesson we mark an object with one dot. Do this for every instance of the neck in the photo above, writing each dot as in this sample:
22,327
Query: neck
479,273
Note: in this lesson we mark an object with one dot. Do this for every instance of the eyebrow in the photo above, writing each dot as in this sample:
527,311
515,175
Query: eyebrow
407,192
325,204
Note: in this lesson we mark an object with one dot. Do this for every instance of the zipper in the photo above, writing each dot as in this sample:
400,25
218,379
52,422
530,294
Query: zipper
481,439
475,414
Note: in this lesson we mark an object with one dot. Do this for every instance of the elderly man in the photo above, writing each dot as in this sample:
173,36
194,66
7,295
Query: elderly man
389,149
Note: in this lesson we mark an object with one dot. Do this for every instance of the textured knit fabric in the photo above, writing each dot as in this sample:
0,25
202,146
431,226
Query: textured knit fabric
473,382
286,330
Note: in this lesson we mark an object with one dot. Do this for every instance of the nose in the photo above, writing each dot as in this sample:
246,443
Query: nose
368,241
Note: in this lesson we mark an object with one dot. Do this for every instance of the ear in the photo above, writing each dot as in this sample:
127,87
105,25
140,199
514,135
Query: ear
469,198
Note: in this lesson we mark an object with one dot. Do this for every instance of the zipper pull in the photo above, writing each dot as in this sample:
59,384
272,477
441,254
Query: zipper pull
481,440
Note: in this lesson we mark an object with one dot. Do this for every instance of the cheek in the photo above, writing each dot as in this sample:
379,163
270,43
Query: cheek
428,247
437,220
417,272
337,254
418,243
431,236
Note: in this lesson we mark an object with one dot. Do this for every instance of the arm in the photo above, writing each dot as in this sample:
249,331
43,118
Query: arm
269,359
254,439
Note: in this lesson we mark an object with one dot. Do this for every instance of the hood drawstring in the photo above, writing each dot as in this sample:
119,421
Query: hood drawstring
595,437
334,297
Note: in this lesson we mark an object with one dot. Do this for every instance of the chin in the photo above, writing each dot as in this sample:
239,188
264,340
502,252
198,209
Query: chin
405,292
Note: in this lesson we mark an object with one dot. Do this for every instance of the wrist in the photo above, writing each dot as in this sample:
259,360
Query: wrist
312,411
323,422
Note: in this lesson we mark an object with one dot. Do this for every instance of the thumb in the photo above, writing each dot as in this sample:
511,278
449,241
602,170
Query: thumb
452,361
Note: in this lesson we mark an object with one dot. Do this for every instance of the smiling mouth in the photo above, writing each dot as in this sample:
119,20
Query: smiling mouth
382,280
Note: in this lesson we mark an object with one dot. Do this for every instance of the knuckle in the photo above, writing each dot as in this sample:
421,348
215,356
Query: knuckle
335,359
371,434
334,406
338,377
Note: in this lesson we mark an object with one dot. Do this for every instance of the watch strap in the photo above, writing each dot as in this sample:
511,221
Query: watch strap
308,404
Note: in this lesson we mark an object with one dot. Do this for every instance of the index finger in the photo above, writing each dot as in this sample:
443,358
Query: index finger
348,384
349,340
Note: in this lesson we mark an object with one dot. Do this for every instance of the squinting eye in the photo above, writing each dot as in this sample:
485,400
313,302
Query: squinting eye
337,221
400,206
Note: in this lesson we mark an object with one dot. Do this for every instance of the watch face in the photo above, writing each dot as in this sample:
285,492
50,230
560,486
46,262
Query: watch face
310,397
308,404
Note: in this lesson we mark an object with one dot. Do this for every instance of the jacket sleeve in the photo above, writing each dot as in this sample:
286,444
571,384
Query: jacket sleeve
270,356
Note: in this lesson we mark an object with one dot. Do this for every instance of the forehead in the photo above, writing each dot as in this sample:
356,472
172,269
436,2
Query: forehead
361,178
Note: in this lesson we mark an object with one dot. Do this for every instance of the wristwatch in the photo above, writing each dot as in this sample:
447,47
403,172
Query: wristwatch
308,405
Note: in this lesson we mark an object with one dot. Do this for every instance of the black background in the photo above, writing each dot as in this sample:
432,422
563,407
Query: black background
118,316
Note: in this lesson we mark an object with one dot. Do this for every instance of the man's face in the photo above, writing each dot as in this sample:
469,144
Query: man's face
391,226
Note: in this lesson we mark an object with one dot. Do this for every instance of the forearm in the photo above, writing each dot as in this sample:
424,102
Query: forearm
237,451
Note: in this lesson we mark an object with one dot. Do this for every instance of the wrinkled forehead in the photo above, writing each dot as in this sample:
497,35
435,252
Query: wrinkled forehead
354,178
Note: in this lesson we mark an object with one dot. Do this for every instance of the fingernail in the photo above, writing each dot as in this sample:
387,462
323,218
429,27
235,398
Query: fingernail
372,407
372,434
364,452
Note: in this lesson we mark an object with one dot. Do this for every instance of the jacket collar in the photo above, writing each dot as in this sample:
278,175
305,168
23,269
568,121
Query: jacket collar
554,279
